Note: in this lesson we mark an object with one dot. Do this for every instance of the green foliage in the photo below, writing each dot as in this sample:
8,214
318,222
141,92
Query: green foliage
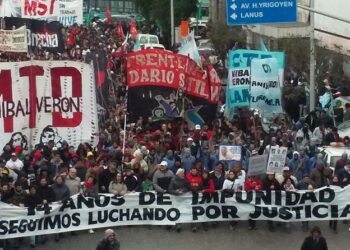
159,11
224,37
328,62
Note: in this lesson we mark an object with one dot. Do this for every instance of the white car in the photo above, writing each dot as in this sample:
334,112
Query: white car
147,38
154,46
332,154
344,129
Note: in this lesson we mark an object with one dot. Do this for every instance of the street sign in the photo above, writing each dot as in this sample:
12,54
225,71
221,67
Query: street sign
243,12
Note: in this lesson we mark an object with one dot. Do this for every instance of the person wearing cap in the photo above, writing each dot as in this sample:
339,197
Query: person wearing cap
109,242
286,173
314,241
14,163
162,178
131,181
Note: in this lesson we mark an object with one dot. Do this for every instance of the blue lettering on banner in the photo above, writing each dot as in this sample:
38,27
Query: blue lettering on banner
239,78
68,20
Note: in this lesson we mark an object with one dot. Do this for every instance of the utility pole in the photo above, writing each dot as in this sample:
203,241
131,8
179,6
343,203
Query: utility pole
172,21
312,58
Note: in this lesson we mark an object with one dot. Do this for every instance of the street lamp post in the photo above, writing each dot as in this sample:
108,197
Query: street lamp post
312,58
172,21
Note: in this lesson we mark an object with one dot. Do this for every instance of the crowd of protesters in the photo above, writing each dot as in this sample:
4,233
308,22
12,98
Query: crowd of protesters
163,157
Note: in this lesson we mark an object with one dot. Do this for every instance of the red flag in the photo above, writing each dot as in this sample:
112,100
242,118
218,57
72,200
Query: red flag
71,37
133,30
109,17
120,31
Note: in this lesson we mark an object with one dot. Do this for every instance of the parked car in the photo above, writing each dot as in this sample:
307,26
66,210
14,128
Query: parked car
332,154
147,39
344,129
154,46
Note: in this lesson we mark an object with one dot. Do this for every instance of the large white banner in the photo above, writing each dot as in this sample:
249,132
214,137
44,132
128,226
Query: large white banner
66,12
149,208
47,100
14,40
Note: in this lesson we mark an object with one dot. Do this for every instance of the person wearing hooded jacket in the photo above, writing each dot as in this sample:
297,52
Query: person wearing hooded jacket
178,186
109,242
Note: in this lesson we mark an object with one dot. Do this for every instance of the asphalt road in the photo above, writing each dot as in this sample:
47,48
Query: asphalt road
220,237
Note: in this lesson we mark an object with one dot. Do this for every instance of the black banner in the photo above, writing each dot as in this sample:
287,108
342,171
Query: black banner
41,34
163,103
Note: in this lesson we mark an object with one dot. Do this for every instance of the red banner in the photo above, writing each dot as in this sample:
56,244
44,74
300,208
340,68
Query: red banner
167,69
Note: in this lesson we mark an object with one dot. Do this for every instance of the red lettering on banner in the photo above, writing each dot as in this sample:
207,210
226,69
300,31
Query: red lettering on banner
166,69
56,73
6,93
38,7
32,72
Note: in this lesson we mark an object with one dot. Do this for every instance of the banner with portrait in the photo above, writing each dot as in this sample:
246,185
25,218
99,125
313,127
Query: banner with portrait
44,101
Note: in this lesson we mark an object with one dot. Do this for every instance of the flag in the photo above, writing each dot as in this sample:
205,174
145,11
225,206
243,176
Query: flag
109,17
189,48
137,45
71,37
120,31
325,99
133,30
262,45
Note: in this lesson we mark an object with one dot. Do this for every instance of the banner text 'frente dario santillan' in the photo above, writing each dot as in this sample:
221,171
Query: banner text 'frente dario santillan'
149,208
47,99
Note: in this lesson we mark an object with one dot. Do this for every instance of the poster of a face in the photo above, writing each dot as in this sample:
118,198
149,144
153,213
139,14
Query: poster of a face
229,153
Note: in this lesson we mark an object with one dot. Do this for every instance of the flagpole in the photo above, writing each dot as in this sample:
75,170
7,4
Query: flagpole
172,21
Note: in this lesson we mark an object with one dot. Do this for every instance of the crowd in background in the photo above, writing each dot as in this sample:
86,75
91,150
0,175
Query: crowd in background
163,157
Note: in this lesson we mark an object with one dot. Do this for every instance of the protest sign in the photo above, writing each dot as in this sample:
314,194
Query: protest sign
149,208
238,86
257,165
67,12
265,90
46,100
14,40
41,35
277,159
162,85
230,153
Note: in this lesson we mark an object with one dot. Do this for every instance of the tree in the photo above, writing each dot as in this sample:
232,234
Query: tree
225,38
159,11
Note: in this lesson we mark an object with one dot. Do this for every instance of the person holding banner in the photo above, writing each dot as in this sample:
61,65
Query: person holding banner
179,186
228,189
271,184
253,183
